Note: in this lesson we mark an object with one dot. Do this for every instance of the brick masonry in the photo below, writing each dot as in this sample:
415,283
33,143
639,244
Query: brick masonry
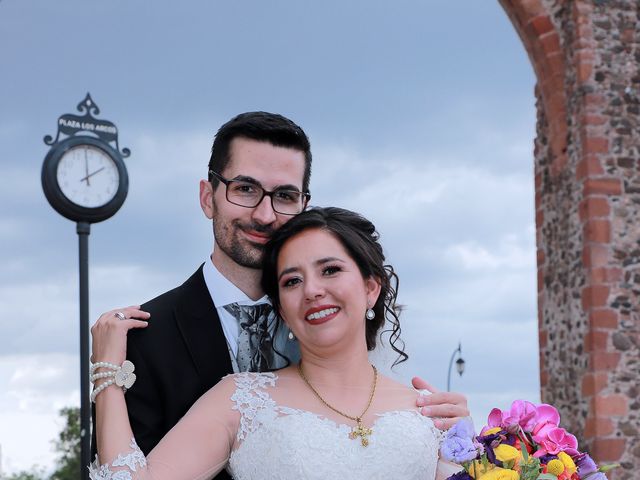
586,56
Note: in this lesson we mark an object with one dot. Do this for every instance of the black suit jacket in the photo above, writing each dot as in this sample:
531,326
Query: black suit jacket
178,357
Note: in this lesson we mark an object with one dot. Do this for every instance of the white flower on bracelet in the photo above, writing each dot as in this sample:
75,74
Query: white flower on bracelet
122,376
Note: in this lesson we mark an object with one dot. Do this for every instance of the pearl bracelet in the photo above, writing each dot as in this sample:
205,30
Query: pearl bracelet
97,376
122,376
99,389
98,365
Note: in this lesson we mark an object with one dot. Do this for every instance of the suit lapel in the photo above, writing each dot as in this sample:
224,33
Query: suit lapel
200,327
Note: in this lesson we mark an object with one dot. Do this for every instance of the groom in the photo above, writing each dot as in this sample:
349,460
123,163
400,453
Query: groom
259,174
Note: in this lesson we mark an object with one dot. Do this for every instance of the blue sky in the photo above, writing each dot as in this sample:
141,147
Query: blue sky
421,116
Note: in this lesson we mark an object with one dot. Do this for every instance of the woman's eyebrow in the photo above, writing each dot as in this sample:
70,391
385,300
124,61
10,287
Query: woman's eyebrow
321,261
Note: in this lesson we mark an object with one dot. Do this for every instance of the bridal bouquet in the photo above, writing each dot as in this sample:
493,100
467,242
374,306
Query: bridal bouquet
522,443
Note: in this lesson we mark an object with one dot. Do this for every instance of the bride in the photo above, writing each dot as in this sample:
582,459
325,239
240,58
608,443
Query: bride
331,416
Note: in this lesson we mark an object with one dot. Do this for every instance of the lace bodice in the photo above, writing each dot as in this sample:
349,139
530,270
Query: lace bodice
278,442
273,441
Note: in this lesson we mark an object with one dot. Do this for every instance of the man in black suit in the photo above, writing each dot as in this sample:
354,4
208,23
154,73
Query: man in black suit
259,174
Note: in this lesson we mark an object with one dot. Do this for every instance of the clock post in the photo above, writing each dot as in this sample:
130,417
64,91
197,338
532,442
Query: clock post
85,180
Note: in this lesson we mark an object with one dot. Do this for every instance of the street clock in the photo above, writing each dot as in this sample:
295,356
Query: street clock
83,176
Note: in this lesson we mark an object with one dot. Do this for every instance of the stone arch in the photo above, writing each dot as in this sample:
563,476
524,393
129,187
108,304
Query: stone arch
585,54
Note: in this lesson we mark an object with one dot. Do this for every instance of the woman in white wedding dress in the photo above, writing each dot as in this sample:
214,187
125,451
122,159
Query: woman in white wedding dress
331,416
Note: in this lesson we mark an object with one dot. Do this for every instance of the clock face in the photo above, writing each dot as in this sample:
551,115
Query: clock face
87,176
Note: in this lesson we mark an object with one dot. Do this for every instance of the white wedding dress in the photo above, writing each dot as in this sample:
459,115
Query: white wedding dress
271,437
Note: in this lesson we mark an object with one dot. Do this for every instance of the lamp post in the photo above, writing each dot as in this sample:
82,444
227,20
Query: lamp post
85,144
459,365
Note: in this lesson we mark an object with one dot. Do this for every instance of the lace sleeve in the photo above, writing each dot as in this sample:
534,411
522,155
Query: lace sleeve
198,447
133,460
252,401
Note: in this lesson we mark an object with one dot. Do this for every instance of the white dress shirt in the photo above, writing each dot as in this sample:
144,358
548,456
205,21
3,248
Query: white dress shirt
223,292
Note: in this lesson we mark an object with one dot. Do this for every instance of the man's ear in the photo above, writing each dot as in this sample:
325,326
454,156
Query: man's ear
372,287
206,198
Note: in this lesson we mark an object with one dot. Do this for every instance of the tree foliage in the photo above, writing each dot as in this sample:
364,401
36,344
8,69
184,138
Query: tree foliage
67,446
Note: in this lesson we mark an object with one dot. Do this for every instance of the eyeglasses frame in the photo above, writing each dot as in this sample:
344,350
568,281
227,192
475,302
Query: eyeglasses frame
306,196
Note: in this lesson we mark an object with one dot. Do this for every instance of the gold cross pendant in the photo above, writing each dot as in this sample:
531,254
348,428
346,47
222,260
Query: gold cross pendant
361,431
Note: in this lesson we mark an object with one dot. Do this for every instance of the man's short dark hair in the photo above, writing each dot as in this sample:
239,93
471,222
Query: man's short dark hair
272,128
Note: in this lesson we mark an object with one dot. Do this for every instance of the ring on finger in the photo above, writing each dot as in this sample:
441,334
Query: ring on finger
120,316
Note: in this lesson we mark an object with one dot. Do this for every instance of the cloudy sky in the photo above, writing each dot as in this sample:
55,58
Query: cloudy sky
421,116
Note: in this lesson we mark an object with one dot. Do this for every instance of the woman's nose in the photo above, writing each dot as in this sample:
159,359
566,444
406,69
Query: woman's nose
313,289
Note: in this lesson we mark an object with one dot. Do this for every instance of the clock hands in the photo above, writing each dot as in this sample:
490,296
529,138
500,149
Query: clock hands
91,175
86,168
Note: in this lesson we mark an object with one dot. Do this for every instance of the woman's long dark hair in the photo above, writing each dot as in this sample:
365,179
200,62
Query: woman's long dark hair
359,237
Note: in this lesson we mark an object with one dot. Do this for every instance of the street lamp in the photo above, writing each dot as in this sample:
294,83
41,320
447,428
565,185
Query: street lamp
459,365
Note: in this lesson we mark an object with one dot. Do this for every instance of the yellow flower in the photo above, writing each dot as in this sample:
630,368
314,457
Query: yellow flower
555,467
477,469
568,463
500,474
506,453
492,431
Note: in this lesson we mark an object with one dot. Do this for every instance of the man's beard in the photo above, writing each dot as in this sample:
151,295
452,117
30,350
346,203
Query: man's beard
240,250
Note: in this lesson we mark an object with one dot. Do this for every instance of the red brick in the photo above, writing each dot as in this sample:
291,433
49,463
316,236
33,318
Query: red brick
555,65
544,378
592,207
628,35
594,296
593,119
594,99
606,275
540,255
542,338
595,256
603,318
540,277
558,147
585,55
589,166
603,361
597,230
550,43
539,217
602,186
595,144
608,405
607,449
594,382
541,25
598,426
596,341
584,72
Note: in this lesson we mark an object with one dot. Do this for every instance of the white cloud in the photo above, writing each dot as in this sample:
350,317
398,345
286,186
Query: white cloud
33,390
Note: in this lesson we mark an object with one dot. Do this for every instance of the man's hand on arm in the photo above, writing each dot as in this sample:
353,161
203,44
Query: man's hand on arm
446,408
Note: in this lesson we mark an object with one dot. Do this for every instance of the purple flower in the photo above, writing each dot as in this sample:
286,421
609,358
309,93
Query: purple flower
461,475
596,476
458,445
489,442
586,465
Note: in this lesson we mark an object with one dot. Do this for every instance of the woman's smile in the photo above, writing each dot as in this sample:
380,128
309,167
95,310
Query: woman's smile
321,314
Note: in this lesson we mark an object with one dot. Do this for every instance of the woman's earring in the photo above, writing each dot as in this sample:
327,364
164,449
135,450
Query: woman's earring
291,336
370,314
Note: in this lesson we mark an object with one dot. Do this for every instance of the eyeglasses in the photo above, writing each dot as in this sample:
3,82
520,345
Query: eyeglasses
249,195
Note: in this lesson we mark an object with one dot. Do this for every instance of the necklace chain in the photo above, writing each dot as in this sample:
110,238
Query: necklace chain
359,430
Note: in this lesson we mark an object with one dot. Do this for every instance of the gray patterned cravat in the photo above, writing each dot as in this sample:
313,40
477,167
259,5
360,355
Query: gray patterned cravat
255,350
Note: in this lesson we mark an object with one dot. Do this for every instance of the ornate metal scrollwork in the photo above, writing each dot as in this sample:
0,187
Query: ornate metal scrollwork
71,125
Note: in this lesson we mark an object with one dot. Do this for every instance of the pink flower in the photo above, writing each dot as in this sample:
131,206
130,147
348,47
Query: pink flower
547,419
521,413
555,441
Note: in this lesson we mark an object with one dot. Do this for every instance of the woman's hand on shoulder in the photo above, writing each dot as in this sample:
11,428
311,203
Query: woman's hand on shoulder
445,408
109,333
